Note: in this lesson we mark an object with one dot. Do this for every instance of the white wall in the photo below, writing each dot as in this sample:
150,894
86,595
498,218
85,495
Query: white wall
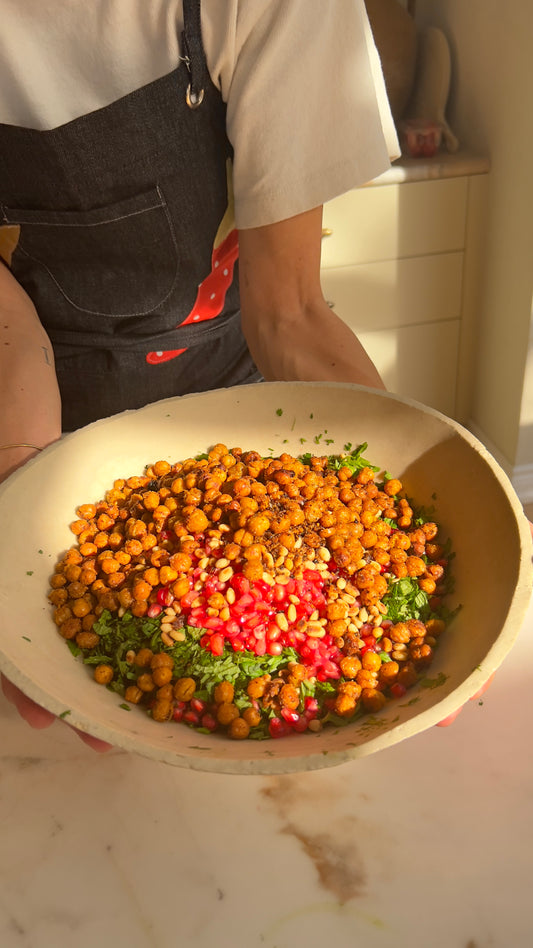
490,108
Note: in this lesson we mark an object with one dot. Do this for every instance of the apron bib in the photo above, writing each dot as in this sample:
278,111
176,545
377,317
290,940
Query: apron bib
124,247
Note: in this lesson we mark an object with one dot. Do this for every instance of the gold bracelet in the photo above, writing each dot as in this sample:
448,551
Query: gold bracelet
22,444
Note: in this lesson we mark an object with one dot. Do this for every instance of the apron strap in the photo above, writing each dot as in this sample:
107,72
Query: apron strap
193,53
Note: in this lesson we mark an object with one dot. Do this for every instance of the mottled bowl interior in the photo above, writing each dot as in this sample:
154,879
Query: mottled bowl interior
440,464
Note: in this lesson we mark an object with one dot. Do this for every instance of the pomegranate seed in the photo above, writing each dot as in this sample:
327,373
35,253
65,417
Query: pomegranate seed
154,610
274,648
165,596
289,716
216,643
278,728
197,705
178,713
239,583
301,724
209,722
191,717
398,690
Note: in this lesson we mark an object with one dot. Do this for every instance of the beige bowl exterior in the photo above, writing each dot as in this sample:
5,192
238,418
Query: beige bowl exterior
440,464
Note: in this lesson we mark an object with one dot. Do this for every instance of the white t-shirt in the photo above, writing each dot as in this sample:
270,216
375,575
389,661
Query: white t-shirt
307,112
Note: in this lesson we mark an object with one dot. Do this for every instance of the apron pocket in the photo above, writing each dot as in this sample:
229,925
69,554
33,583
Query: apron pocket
118,260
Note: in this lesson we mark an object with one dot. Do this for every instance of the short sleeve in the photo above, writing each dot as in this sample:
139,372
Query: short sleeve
307,112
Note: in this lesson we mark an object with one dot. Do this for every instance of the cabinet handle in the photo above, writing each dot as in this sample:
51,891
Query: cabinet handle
326,232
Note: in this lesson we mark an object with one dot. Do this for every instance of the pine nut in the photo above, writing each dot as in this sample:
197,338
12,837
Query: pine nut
291,613
166,627
167,639
268,579
222,562
230,595
225,574
281,621
204,562
178,635
324,554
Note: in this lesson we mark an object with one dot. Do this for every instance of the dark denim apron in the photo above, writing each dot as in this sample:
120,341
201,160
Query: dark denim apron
118,213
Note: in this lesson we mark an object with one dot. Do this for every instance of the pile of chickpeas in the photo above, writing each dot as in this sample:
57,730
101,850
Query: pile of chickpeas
269,519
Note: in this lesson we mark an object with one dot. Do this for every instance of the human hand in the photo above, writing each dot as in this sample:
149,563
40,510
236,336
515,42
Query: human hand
39,718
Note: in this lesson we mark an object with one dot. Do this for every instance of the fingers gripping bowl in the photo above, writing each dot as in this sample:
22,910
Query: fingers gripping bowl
439,463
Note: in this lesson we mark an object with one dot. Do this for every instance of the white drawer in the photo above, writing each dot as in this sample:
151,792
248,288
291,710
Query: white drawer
397,220
396,292
418,361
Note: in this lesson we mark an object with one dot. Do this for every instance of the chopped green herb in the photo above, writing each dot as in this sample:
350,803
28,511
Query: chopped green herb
279,411
434,682
26,638
125,707
65,714
29,572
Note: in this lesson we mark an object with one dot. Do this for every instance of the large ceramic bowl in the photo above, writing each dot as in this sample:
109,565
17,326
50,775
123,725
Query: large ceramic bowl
440,464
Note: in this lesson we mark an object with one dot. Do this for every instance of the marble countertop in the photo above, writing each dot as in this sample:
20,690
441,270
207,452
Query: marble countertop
425,845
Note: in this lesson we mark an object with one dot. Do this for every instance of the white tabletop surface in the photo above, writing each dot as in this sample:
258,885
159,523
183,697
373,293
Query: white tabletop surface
424,845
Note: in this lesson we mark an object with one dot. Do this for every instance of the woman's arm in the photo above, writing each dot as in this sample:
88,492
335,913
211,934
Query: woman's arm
29,394
291,331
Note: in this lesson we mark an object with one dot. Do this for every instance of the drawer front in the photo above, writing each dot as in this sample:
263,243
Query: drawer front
396,220
418,362
391,293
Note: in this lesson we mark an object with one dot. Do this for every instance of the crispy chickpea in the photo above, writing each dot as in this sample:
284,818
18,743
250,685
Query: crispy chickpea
87,639
162,709
388,672
143,657
58,597
371,661
151,576
415,566
141,590
350,665
238,729
224,692
427,584
289,697
162,675
88,621
257,687
252,716
196,522
103,674
392,487
373,699
184,689
345,705
226,713
146,682
70,628
399,633
62,614
133,694
81,608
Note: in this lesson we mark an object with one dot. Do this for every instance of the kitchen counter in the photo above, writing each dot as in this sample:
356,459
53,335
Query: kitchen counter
425,845
442,165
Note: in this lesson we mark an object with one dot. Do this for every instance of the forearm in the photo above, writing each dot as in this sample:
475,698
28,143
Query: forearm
290,329
312,345
29,394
